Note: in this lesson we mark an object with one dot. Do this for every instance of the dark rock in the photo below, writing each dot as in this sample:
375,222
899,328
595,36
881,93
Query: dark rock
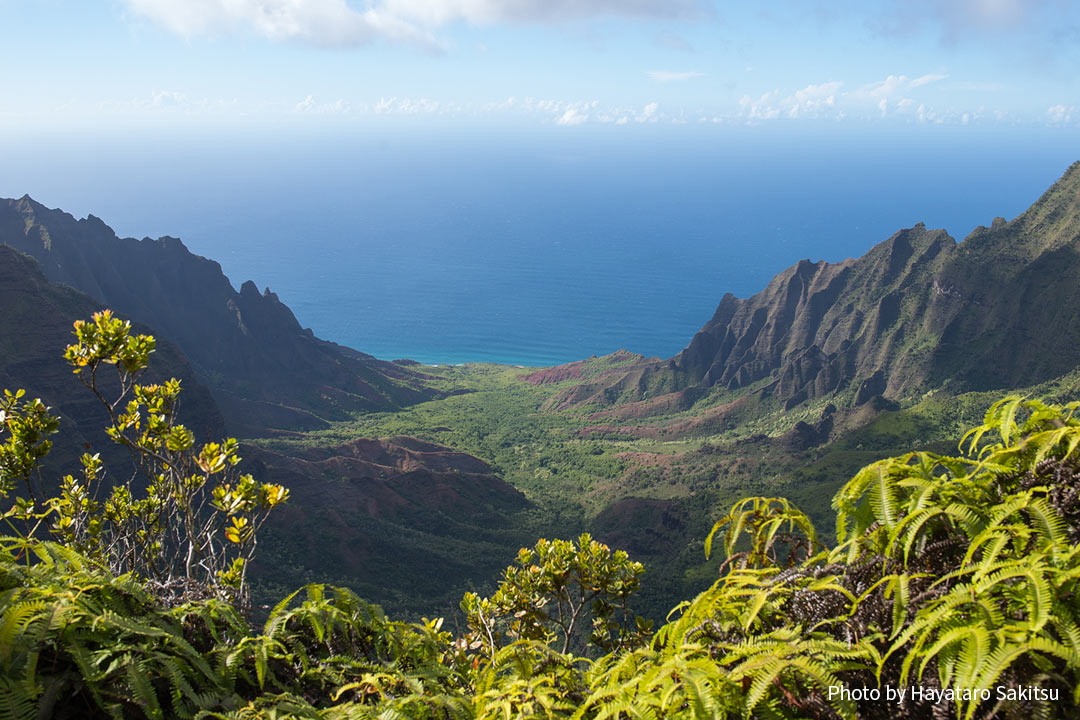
871,387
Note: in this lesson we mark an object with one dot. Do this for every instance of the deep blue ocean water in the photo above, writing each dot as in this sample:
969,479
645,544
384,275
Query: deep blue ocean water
536,248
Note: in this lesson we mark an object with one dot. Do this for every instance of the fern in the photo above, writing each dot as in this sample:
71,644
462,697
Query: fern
958,571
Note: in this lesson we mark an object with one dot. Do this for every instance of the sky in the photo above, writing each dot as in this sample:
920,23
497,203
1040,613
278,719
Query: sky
130,65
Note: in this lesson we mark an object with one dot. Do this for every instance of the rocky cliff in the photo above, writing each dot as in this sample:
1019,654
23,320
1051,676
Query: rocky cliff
265,370
999,309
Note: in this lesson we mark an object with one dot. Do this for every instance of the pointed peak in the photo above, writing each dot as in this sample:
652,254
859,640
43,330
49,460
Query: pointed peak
27,203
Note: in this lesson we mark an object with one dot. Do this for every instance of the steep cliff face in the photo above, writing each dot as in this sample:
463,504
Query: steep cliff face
817,327
266,371
999,309
1015,287
36,325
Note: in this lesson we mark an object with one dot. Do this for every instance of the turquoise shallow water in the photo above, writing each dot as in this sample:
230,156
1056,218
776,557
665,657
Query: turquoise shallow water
534,249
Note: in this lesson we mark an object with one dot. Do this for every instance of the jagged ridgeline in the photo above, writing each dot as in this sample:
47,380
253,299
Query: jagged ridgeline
916,312
265,371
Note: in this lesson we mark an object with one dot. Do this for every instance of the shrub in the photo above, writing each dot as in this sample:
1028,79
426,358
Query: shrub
552,591
191,532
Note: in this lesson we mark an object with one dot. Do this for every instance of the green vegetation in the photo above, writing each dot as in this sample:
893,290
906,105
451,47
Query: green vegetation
951,573
180,538
957,575
492,414
655,493
551,591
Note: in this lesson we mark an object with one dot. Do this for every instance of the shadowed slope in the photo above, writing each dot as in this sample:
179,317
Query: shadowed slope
265,370
36,325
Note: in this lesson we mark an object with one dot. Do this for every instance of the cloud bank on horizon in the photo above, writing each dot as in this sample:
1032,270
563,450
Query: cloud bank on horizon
565,63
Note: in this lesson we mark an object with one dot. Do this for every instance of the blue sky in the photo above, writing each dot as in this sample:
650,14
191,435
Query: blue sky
212,64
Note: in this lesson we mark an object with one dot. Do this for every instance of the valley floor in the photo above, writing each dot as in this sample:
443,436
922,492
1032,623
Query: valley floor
650,476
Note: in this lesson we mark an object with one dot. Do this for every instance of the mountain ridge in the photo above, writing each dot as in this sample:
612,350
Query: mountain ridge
787,391
917,311
35,327
267,373
383,502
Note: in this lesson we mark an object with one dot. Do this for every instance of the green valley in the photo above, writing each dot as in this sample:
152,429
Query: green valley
816,431
654,486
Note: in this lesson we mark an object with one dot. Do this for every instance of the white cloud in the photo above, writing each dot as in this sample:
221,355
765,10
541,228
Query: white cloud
813,101
561,112
926,115
422,106
572,116
322,22
160,103
481,12
308,105
1060,114
763,108
829,101
895,84
886,99
339,23
168,98
648,113
927,79
665,76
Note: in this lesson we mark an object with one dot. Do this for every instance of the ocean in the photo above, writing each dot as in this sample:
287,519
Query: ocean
453,245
